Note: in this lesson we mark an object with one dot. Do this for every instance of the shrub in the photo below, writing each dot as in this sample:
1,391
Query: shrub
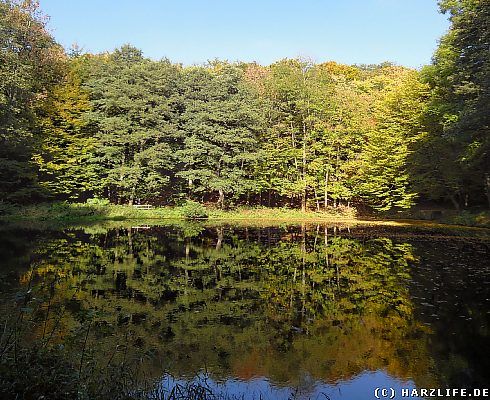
97,202
193,210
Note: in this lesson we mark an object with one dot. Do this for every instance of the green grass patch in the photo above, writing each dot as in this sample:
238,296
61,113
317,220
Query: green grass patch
75,212
97,211
282,213
102,211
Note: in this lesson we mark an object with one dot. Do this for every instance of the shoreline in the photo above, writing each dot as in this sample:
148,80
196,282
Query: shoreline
82,213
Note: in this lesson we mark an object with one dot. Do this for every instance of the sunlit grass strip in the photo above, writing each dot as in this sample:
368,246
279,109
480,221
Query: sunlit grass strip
63,212
82,211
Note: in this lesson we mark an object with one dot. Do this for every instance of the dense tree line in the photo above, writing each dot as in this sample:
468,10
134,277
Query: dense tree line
129,129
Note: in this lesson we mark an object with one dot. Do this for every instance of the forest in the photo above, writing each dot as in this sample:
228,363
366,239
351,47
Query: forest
126,129
112,285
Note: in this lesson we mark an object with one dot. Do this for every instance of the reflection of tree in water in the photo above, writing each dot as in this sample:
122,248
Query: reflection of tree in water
270,302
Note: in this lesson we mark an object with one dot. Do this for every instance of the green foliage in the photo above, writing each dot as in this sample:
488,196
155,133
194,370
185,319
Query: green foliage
382,177
67,142
98,202
135,103
221,124
97,209
329,129
128,129
30,64
193,210
458,119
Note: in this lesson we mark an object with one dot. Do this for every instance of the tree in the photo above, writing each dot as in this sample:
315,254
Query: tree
135,108
383,179
460,83
30,62
340,109
292,91
68,143
220,126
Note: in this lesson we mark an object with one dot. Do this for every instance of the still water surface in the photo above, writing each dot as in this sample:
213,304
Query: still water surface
300,311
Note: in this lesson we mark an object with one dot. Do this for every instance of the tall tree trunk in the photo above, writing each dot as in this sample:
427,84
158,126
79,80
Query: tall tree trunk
121,179
303,264
131,197
221,199
336,201
326,190
303,194
317,201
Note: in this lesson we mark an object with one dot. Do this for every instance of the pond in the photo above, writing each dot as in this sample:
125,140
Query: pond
307,311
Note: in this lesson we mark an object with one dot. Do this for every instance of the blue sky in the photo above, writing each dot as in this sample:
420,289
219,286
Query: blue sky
193,31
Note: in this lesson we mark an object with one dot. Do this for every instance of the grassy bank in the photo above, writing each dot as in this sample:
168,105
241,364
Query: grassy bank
81,212
85,212
476,218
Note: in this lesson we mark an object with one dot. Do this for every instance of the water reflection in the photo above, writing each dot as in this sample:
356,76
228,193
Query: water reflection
308,389
311,309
